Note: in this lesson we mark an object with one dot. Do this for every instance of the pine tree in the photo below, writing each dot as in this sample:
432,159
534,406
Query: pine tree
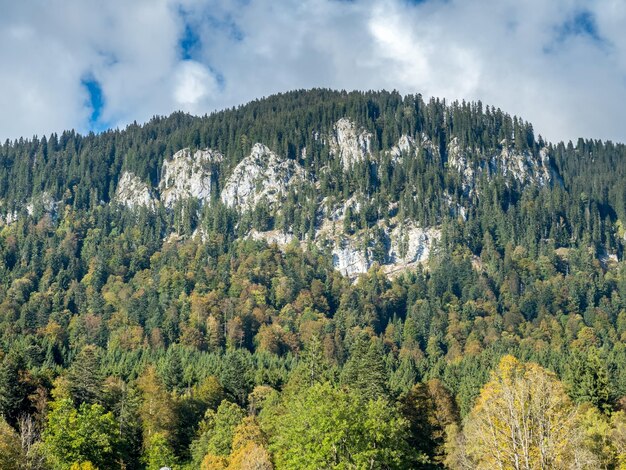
365,372
85,377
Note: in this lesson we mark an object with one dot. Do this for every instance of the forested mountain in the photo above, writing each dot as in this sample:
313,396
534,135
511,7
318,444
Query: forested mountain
317,279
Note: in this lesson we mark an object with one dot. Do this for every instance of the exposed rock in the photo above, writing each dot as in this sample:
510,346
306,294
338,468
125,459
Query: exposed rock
338,212
173,238
607,259
133,192
348,259
457,159
349,144
49,204
45,202
396,247
261,175
524,166
403,245
429,147
189,176
477,264
277,237
410,245
454,208
330,225
405,146
460,211
200,234
9,218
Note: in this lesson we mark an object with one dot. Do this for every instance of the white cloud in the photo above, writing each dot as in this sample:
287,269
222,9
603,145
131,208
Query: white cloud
420,59
194,85
514,55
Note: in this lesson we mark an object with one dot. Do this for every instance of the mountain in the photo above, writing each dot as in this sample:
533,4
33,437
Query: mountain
341,170
192,279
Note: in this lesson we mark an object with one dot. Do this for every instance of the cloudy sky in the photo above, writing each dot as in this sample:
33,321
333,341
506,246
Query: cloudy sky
94,64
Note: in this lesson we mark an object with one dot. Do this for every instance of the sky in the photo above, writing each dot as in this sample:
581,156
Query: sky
90,65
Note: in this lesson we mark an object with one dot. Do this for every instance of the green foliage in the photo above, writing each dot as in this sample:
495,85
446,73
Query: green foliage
11,453
145,329
86,381
235,375
588,378
326,427
365,371
14,390
158,453
215,435
86,434
430,410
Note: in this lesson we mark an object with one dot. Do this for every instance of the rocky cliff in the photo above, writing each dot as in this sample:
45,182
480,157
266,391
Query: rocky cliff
186,176
349,144
133,192
262,175
520,165
408,146
394,245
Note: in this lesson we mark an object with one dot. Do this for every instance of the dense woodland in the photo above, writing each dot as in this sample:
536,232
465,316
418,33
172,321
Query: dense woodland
127,343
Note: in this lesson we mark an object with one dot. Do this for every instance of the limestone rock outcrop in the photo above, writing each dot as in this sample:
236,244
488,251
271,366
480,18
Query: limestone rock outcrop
133,192
189,176
261,175
349,144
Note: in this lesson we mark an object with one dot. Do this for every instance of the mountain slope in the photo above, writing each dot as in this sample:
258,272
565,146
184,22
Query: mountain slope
201,291
346,161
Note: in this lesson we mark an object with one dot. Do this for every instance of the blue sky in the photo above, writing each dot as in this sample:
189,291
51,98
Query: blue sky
95,102
90,65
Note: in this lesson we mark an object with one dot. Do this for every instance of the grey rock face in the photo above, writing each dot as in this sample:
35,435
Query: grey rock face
405,245
261,175
522,166
349,144
133,192
186,176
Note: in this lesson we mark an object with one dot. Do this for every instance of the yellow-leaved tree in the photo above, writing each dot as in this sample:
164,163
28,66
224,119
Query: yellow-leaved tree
522,420
11,453
249,449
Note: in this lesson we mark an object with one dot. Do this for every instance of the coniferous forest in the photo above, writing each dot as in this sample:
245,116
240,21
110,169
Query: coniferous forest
164,336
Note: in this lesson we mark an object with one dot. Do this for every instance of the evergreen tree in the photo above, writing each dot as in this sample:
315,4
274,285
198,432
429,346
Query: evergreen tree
85,377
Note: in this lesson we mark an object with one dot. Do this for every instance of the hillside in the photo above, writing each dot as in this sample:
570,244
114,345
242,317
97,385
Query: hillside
322,165
174,284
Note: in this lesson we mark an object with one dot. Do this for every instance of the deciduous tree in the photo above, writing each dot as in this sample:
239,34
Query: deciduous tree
524,420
